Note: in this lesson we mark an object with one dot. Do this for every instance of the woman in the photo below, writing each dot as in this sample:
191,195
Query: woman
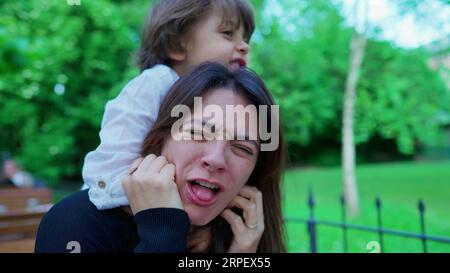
200,194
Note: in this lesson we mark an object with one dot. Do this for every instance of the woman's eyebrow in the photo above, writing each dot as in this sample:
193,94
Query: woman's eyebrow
203,123
198,122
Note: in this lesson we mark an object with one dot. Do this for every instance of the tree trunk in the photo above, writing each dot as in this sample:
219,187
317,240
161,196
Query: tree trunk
357,49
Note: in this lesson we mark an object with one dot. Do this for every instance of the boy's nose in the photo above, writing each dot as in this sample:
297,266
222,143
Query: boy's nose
243,48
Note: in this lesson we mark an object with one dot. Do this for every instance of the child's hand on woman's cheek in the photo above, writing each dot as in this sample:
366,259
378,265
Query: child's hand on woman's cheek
247,230
151,184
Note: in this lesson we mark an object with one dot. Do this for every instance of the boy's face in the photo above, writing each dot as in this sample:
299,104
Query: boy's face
211,40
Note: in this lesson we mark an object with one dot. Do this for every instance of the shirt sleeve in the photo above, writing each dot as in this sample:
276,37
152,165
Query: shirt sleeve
126,121
162,230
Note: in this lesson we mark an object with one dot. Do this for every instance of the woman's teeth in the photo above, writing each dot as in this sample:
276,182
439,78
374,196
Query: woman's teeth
207,185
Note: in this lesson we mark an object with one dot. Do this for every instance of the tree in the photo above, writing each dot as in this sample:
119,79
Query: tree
357,50
61,65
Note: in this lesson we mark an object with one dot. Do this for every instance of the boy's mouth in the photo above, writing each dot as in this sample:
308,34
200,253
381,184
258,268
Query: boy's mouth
237,63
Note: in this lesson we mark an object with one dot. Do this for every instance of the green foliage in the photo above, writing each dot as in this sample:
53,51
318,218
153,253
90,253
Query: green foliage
303,57
399,97
304,61
61,64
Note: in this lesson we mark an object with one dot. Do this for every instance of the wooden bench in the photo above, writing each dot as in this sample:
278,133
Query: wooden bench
18,246
19,199
22,212
18,230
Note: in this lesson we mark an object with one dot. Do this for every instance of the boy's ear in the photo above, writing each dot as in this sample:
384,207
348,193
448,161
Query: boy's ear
177,56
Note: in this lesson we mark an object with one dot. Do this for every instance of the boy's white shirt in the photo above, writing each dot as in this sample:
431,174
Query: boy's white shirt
126,121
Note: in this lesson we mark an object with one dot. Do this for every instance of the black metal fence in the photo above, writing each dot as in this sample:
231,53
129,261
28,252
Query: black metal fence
312,224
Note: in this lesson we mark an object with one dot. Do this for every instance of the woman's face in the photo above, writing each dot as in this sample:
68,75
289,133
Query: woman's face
210,173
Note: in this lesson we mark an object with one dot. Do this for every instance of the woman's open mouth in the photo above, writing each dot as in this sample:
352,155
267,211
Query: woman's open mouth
202,192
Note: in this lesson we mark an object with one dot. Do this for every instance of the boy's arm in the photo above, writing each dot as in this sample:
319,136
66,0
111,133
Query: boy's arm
126,122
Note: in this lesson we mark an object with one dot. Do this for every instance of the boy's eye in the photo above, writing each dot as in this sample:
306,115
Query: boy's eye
228,33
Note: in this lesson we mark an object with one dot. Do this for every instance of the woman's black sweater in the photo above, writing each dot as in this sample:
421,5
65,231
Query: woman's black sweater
76,225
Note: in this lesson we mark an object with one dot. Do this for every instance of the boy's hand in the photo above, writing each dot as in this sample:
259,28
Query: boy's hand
247,230
152,184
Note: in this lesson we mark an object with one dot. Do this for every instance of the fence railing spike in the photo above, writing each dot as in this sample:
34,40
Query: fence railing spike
378,202
421,205
310,198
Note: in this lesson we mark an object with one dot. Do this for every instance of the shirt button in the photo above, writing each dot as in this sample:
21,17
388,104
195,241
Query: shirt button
101,184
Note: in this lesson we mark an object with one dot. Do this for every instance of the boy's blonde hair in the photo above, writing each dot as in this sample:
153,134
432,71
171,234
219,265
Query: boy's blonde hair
170,20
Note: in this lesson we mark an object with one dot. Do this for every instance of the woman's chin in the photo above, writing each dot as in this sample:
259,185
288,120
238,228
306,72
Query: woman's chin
198,219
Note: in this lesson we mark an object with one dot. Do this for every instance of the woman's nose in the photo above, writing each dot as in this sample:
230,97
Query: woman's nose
214,157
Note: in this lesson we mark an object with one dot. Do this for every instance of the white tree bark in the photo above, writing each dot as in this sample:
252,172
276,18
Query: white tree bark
357,50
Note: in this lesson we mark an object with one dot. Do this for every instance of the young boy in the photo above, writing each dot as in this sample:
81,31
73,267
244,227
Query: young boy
179,35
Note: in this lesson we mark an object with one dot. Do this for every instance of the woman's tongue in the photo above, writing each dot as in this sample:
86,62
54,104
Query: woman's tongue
203,193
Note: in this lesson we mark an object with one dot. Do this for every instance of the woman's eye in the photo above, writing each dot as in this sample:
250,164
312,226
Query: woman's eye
194,132
197,133
245,149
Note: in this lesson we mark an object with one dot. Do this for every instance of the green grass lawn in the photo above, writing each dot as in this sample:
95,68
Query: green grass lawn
399,185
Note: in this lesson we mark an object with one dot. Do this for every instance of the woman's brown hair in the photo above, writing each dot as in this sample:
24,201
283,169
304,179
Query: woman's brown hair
170,20
266,175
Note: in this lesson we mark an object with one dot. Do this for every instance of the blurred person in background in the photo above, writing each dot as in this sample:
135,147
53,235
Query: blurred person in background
16,176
